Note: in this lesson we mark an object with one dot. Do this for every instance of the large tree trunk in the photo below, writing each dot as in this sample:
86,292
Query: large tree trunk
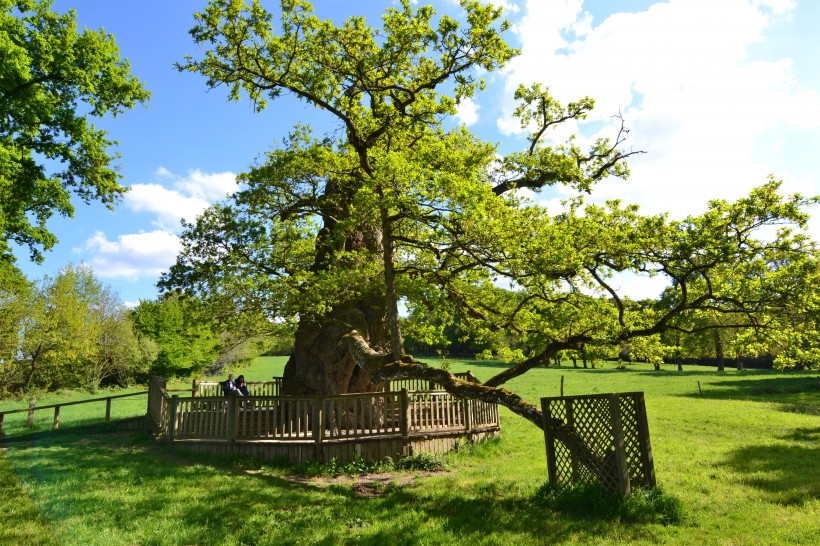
320,364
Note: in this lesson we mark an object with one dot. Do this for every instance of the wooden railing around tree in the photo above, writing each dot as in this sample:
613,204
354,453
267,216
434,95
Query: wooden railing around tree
257,388
314,418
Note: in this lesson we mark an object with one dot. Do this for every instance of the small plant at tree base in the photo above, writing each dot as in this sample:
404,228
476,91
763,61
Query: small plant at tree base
420,461
355,467
593,501
358,466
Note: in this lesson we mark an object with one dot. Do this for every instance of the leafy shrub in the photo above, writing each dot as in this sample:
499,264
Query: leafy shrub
420,461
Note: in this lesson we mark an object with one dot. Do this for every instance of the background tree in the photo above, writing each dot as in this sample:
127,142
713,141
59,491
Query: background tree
178,327
335,230
15,296
52,80
66,331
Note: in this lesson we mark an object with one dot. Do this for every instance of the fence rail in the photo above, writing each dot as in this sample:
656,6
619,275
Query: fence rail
33,407
314,418
257,388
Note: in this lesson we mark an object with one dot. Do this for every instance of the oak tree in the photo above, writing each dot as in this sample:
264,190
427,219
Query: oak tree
397,204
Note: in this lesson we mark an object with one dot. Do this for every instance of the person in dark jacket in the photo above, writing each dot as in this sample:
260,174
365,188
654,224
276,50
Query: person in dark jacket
242,386
229,385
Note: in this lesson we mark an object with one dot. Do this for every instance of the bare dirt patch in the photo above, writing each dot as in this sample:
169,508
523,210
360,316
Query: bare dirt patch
365,485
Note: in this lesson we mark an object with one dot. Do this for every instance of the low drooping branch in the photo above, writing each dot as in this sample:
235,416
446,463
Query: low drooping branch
382,368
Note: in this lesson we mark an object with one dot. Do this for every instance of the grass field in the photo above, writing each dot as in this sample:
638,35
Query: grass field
742,459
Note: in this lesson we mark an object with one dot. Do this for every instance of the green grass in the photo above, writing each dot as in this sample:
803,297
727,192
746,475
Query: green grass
739,464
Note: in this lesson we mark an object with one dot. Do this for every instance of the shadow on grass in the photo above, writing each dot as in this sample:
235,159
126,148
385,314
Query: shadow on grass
787,474
141,492
795,393
89,426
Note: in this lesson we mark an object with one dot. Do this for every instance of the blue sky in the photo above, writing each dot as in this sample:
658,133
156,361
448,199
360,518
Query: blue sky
719,92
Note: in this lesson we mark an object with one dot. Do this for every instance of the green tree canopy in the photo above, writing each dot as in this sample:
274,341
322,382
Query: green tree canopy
65,331
53,78
335,230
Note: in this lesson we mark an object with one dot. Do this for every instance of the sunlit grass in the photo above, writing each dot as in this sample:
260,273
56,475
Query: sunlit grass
738,464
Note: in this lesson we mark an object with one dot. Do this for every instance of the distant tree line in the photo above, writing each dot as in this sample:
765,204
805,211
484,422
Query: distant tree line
73,331
789,342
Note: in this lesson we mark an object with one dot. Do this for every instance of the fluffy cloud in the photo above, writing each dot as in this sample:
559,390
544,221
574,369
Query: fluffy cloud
467,111
186,199
131,256
146,254
682,74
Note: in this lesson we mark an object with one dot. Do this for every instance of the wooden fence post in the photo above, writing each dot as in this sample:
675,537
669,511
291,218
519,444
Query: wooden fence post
30,420
468,415
647,460
549,441
56,417
404,423
570,408
621,466
232,416
107,409
193,387
318,426
172,418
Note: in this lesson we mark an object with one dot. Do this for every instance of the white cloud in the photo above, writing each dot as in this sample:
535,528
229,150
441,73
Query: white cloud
131,256
682,75
187,198
146,254
467,111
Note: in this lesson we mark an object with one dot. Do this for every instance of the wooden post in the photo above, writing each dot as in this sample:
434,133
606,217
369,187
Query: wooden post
468,415
193,387
30,420
549,441
2,416
318,426
56,417
404,423
172,418
621,464
700,392
107,410
573,456
647,460
232,416
562,386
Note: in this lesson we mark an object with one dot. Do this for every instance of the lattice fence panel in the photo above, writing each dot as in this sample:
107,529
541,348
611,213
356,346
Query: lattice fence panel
598,439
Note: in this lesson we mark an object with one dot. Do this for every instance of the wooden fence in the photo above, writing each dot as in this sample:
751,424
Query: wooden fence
601,438
257,388
274,388
401,415
33,407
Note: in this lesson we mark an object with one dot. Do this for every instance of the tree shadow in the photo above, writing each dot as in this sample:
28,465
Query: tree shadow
787,474
795,393
150,493
82,427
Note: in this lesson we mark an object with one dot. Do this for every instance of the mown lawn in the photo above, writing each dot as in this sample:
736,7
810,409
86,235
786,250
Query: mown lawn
743,460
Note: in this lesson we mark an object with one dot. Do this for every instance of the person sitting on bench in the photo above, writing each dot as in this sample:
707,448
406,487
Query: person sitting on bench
242,386
229,386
